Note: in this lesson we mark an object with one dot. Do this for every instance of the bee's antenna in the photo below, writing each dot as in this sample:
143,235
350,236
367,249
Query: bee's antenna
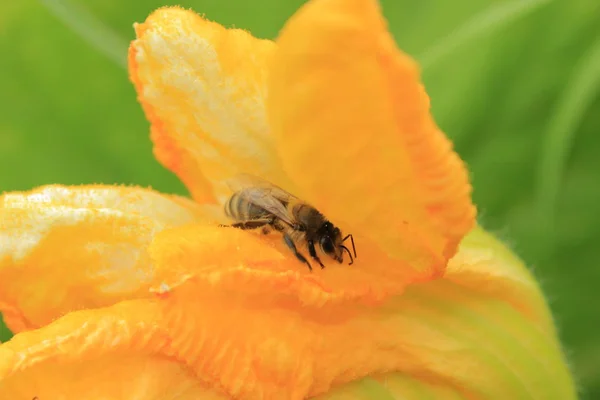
349,255
352,240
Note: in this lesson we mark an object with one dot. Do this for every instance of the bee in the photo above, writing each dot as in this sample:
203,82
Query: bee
257,203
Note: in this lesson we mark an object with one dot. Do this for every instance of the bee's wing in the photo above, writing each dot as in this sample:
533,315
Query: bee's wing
264,194
245,181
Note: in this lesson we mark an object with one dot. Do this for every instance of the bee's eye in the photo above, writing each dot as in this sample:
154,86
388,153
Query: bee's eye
327,244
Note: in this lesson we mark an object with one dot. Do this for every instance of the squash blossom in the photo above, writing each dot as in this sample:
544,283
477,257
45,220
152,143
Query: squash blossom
125,293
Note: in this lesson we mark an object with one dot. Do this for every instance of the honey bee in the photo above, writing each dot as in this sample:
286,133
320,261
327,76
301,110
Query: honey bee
256,203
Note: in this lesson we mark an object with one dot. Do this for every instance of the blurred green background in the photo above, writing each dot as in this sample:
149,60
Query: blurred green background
514,83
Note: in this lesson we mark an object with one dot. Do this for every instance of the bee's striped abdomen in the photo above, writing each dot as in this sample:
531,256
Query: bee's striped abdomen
240,209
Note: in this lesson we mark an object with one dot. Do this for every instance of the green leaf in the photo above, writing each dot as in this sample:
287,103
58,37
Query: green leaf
581,90
494,17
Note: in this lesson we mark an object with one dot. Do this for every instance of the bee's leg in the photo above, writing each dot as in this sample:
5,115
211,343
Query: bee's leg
290,243
252,224
313,253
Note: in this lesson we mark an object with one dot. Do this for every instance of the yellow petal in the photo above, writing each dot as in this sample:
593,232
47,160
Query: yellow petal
203,87
355,133
392,386
67,248
112,353
485,265
116,377
211,253
250,263
448,337
440,338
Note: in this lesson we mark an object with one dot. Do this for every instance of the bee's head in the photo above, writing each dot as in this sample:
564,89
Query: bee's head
332,243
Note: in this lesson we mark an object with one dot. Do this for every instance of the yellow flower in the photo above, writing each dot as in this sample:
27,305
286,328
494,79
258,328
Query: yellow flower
124,293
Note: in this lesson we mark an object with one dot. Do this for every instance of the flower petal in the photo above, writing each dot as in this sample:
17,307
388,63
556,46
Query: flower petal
66,248
439,337
356,135
442,339
458,339
392,386
203,87
211,253
487,266
251,263
116,377
100,354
